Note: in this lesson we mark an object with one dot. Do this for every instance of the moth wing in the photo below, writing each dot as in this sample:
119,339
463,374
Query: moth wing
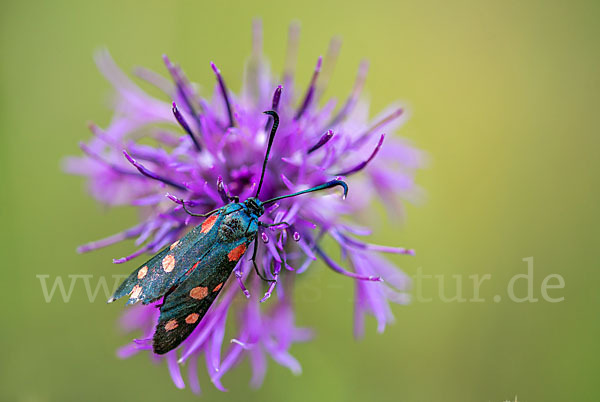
185,307
157,276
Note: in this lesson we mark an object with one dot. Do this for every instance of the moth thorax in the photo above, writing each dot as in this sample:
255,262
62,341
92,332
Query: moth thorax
231,228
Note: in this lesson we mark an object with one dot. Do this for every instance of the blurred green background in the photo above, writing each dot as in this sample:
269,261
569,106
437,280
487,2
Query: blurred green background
505,99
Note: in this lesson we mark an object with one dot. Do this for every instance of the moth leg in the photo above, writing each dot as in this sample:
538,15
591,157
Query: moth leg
254,261
268,225
248,227
269,291
193,214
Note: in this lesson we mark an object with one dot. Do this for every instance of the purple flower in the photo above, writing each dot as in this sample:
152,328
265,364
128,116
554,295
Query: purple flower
154,153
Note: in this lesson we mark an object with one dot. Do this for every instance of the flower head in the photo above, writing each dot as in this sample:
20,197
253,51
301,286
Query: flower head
207,150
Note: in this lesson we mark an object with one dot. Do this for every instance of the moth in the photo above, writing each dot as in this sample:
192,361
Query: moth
190,273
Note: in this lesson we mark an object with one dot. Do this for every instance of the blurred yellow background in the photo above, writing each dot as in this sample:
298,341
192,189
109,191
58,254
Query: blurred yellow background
505,99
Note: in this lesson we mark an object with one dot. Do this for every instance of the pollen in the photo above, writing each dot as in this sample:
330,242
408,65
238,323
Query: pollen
237,252
142,272
168,263
136,292
209,223
171,325
174,245
199,293
216,289
192,318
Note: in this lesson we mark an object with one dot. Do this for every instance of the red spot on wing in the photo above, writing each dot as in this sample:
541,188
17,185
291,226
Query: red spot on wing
216,289
168,263
199,292
208,223
171,325
192,318
136,292
189,271
237,252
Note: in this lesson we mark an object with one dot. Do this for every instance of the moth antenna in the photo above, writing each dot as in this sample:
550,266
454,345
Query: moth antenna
275,117
323,186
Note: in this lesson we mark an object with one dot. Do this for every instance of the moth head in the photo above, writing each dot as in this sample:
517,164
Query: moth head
255,206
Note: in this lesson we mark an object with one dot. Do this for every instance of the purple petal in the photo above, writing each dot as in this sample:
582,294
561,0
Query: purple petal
150,174
193,376
174,370
363,164
310,91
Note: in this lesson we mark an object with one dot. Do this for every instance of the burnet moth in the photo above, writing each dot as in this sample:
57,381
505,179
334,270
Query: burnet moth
190,273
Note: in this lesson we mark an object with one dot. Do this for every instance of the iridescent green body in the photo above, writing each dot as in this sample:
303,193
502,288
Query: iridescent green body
191,272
